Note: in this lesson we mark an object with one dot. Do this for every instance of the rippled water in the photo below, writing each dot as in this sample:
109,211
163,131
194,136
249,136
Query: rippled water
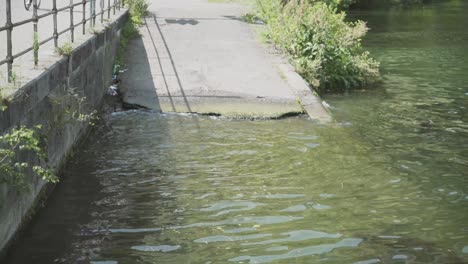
388,184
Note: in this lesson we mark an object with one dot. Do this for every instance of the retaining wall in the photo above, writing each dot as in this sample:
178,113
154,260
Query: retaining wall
44,101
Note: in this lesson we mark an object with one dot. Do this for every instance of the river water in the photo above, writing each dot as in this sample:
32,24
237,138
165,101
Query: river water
387,184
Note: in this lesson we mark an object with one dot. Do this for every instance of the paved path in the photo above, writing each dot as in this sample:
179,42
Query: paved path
196,56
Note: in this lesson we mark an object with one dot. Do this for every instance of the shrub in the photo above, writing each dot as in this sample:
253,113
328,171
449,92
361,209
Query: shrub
138,9
13,145
324,48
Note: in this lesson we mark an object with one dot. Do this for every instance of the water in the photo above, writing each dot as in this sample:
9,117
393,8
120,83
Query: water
388,184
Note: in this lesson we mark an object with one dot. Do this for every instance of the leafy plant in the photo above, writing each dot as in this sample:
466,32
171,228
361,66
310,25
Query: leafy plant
14,77
65,50
324,48
73,108
18,144
129,31
249,18
94,30
13,147
138,9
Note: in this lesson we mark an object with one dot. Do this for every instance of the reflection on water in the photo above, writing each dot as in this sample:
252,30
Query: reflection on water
386,185
153,188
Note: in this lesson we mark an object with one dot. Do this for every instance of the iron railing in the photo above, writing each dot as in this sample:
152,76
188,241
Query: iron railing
9,26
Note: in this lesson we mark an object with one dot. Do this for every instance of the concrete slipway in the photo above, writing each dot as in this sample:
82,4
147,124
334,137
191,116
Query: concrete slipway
200,57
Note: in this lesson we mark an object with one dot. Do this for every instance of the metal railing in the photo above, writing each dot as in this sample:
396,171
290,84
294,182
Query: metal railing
9,26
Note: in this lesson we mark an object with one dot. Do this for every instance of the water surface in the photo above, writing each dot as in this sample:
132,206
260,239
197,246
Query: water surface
387,184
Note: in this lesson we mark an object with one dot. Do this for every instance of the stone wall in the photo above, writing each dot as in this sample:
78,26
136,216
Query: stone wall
87,72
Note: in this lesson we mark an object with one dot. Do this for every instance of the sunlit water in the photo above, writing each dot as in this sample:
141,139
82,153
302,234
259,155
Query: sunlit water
387,184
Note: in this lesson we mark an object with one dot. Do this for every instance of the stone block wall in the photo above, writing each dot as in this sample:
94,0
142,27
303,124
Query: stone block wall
87,72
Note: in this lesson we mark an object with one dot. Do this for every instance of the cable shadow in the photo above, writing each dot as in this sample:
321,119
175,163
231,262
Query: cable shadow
163,75
187,104
182,21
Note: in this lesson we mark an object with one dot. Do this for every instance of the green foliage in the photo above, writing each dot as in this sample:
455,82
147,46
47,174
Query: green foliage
249,18
138,9
129,31
341,4
14,77
14,145
18,144
65,50
94,30
72,107
325,49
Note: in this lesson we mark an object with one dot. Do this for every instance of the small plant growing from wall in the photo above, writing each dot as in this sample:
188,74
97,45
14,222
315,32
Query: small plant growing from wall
138,10
15,144
21,142
72,108
14,78
65,50
94,30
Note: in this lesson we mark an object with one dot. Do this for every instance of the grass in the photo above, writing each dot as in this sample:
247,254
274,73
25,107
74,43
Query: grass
95,30
65,50
250,18
138,10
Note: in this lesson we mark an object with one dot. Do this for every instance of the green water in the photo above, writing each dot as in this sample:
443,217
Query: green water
387,184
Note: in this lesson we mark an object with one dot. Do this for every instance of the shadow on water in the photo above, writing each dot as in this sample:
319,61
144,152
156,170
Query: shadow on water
173,189
79,188
74,216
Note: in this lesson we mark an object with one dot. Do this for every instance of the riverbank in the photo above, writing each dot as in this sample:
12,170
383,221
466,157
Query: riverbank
201,57
57,103
387,184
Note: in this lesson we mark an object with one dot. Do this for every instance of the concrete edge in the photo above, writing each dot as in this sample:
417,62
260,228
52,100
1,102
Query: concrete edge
309,100
306,97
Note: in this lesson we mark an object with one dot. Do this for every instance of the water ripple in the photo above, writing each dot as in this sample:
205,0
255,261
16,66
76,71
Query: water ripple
301,252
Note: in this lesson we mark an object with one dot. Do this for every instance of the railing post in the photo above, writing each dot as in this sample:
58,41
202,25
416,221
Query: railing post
101,3
108,8
54,9
72,25
92,10
84,16
113,7
9,44
118,5
36,35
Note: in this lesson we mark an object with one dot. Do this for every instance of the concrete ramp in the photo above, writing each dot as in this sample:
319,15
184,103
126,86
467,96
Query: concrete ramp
200,57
